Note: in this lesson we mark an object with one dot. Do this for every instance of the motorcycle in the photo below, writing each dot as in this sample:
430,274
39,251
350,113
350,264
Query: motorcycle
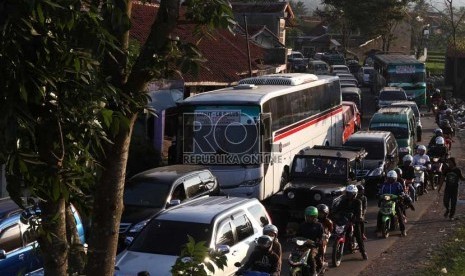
344,238
298,259
387,217
436,171
419,181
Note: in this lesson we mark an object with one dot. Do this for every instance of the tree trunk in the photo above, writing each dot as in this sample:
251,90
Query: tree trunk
108,207
76,255
54,247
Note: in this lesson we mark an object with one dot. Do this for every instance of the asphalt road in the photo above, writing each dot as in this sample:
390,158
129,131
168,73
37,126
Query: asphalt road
353,264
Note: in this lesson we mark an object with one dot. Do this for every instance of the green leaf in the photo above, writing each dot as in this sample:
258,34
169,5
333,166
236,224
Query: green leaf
77,65
107,116
40,14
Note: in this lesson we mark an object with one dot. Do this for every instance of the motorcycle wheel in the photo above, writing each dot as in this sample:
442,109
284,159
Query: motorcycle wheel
296,271
338,252
385,229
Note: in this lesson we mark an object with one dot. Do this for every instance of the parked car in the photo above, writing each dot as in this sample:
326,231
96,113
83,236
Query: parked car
226,224
18,245
150,192
382,157
352,94
413,105
388,95
317,175
334,58
318,67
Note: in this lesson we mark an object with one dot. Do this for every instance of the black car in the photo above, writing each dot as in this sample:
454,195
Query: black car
382,157
318,175
150,192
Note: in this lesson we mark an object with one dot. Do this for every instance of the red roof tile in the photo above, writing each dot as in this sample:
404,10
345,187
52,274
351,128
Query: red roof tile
226,53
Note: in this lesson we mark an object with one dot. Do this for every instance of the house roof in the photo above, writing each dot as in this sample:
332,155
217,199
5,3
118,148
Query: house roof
274,7
226,53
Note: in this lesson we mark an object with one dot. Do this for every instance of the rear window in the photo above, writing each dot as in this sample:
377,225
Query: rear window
157,236
393,96
375,150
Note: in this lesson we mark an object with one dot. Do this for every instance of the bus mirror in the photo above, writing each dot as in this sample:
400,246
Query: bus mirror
265,125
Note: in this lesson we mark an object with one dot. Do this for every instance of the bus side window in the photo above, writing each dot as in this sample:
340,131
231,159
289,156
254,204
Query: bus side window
265,128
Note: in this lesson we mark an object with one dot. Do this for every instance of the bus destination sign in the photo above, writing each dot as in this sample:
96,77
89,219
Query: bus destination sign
405,69
218,117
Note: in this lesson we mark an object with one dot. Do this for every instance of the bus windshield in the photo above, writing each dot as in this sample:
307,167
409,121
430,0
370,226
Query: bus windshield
406,78
221,135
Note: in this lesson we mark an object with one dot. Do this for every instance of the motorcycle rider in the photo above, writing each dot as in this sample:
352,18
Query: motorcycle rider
323,213
392,186
408,174
361,195
439,150
262,259
272,231
437,133
313,230
422,159
349,203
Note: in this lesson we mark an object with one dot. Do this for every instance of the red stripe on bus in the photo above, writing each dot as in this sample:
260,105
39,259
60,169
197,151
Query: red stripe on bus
307,124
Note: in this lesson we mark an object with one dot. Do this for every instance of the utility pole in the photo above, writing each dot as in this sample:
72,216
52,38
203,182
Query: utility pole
248,46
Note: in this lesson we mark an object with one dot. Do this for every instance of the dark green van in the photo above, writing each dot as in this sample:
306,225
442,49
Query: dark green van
401,122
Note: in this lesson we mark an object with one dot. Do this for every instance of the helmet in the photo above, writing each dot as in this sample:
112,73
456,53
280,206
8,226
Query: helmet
448,111
407,158
439,141
264,242
351,190
421,148
437,90
392,174
398,171
311,211
322,209
438,132
270,228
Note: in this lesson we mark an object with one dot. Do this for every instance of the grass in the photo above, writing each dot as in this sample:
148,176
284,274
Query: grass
450,256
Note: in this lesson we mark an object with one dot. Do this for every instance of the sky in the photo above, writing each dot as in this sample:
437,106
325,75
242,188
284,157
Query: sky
439,4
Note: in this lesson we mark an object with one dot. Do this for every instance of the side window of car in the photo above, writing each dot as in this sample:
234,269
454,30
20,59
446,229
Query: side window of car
259,214
10,238
225,234
244,228
192,186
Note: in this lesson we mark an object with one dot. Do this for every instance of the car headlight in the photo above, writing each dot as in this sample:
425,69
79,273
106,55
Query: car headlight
138,226
290,195
317,197
376,172
404,149
252,182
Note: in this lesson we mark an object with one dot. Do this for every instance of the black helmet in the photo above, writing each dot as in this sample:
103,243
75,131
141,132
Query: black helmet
264,242
323,209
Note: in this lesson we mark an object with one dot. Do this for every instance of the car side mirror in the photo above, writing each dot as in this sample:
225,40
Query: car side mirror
174,202
223,249
128,241
2,254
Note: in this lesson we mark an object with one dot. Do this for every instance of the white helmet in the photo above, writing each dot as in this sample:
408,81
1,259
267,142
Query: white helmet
438,131
448,111
351,190
392,174
407,158
439,141
422,147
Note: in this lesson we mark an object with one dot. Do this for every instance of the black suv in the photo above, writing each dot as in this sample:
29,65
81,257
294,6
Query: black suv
318,175
382,156
150,192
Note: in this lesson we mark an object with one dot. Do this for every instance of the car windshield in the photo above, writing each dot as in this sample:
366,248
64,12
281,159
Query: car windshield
319,167
392,96
399,130
375,150
166,237
146,193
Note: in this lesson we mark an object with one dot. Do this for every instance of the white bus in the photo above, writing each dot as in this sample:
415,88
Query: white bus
249,133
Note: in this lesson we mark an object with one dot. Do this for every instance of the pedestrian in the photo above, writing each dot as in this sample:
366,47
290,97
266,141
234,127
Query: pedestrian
452,175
